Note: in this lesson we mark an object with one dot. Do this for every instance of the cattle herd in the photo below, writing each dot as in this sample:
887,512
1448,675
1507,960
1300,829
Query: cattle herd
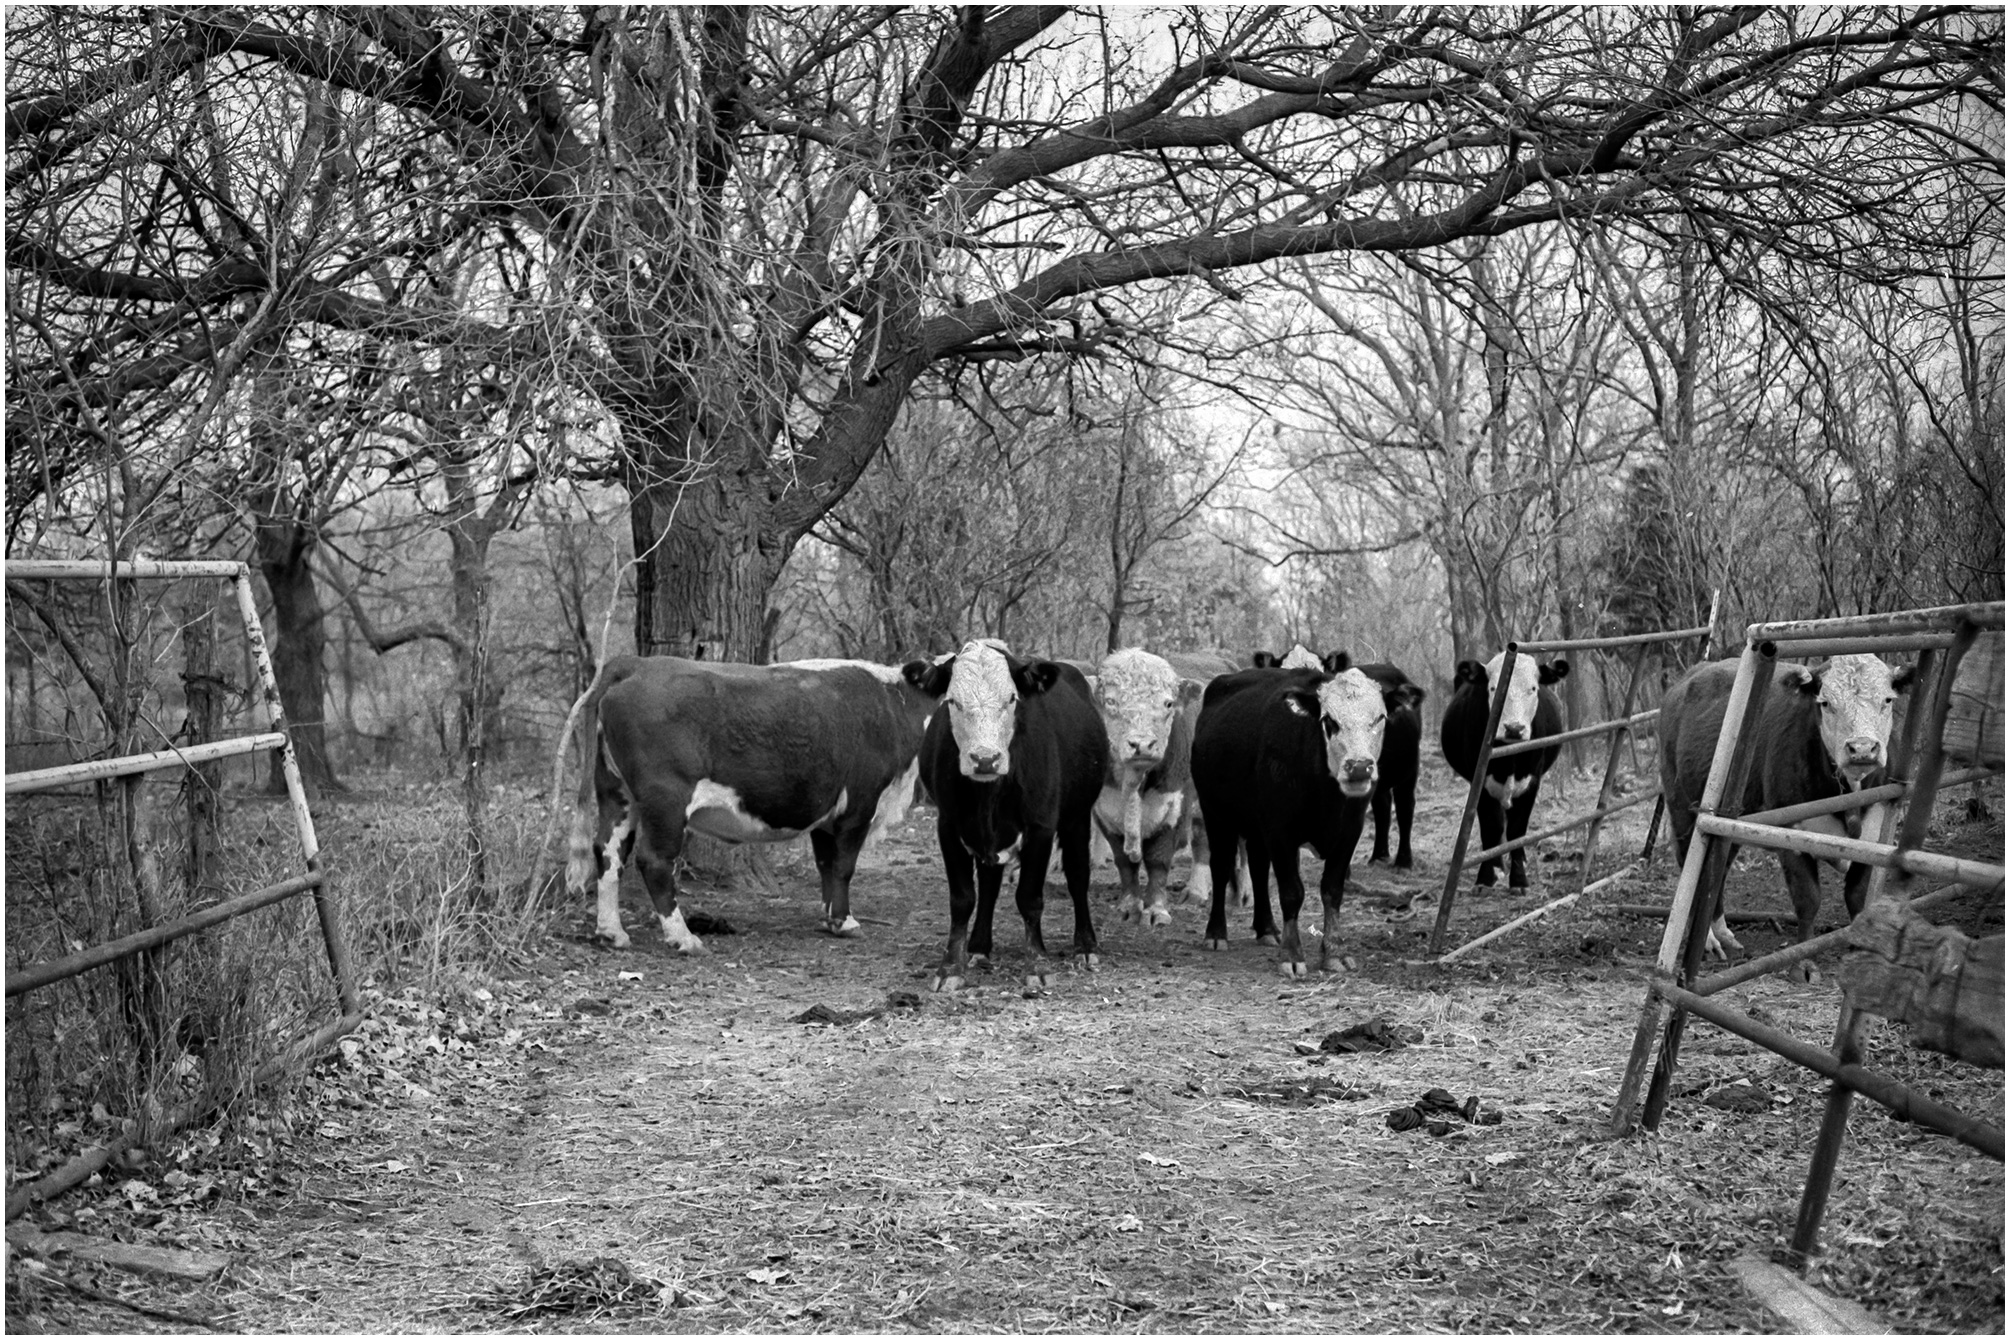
1244,765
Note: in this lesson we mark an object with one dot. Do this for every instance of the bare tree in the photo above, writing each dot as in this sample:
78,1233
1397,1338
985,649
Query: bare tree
758,227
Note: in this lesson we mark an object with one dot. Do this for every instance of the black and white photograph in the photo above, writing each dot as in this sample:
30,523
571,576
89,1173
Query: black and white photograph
954,669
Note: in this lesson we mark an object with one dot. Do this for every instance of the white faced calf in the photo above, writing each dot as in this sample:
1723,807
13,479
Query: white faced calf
983,703
1351,715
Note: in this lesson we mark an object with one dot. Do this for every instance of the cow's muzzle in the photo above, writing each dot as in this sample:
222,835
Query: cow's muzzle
1511,733
984,765
1357,776
1145,752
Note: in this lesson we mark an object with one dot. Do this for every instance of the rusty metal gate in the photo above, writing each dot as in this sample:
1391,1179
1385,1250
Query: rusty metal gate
314,880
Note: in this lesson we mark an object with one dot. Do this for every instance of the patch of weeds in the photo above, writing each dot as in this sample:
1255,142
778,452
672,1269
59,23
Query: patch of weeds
592,1288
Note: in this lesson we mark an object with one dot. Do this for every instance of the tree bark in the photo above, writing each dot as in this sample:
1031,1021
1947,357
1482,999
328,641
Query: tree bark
284,545
711,552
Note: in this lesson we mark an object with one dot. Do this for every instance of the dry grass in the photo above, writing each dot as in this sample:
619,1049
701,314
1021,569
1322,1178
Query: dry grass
1077,1159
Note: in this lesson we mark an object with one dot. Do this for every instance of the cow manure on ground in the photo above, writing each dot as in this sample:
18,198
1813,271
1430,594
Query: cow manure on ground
703,923
596,1287
1296,1093
1435,1109
824,1014
1379,1034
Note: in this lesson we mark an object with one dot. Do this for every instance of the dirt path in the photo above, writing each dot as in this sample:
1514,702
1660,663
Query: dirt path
1097,1157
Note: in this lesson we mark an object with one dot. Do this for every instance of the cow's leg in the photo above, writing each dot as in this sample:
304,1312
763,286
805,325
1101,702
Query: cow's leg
1804,889
1129,904
1333,885
1222,846
837,860
620,840
958,868
990,879
1035,850
1406,810
1517,826
1261,922
1490,836
1075,870
659,838
1718,940
1856,883
1193,830
1159,849
1290,897
1385,794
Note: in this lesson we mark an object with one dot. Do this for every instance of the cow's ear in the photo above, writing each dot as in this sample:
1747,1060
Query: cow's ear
1802,678
931,677
1403,695
1264,660
1190,691
1035,677
1902,676
1302,701
1335,661
1469,672
1556,670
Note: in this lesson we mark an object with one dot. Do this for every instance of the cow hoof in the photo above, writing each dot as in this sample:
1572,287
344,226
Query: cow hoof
848,929
1403,863
1378,858
1293,967
1269,938
614,939
1214,944
1129,909
980,961
695,949
948,982
1088,962
1334,965
1038,981
1158,916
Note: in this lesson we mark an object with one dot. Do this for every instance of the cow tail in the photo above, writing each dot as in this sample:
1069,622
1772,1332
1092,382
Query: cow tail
582,867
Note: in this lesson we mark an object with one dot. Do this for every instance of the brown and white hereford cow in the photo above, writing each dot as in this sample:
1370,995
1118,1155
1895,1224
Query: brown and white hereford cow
1822,732
744,753
1146,807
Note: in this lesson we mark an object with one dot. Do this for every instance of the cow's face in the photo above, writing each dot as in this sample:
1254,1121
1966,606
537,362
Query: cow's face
1523,695
1855,694
984,688
1351,715
1139,696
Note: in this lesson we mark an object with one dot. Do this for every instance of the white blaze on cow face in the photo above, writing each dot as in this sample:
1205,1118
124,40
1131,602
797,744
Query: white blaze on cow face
983,711
1524,692
1139,696
1855,693
1299,658
1351,716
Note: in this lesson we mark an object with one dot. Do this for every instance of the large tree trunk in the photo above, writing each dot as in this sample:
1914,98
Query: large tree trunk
710,554
284,545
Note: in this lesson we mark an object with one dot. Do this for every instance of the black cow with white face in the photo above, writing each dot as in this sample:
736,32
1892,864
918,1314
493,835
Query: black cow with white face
1823,731
1284,759
1531,712
743,753
1402,742
1015,762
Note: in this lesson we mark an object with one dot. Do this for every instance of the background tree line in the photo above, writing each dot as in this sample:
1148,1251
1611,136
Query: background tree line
1400,329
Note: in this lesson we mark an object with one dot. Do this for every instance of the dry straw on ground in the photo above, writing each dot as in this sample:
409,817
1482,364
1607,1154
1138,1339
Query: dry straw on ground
631,1141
